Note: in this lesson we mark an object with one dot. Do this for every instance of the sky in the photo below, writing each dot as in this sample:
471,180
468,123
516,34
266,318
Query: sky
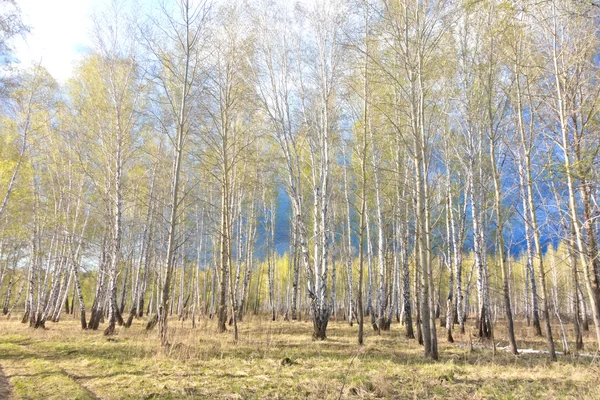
60,31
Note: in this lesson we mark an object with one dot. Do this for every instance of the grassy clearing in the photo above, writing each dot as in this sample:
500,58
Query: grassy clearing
276,360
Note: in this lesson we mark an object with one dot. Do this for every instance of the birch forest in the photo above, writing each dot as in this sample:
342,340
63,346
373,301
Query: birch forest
401,175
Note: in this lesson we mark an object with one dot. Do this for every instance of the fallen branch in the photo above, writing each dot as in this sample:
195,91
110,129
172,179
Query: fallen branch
529,351
348,371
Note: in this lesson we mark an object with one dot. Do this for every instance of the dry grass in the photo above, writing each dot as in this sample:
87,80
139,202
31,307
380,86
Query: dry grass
277,360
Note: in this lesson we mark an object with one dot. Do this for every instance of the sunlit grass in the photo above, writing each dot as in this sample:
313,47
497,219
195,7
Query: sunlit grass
277,360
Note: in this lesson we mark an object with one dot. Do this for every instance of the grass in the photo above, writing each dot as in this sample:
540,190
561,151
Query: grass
278,360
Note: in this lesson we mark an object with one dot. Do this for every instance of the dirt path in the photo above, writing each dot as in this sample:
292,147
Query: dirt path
53,367
4,386
77,380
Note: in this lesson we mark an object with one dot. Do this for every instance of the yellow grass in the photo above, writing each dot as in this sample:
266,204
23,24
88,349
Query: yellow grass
277,360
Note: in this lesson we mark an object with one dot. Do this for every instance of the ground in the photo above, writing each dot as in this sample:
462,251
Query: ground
276,360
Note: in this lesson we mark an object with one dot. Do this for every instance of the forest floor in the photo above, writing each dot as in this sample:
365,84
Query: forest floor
278,360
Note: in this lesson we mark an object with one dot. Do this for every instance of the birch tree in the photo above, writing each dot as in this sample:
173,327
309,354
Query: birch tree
176,56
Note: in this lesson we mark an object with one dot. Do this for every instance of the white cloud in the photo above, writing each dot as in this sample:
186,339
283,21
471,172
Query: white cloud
59,34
